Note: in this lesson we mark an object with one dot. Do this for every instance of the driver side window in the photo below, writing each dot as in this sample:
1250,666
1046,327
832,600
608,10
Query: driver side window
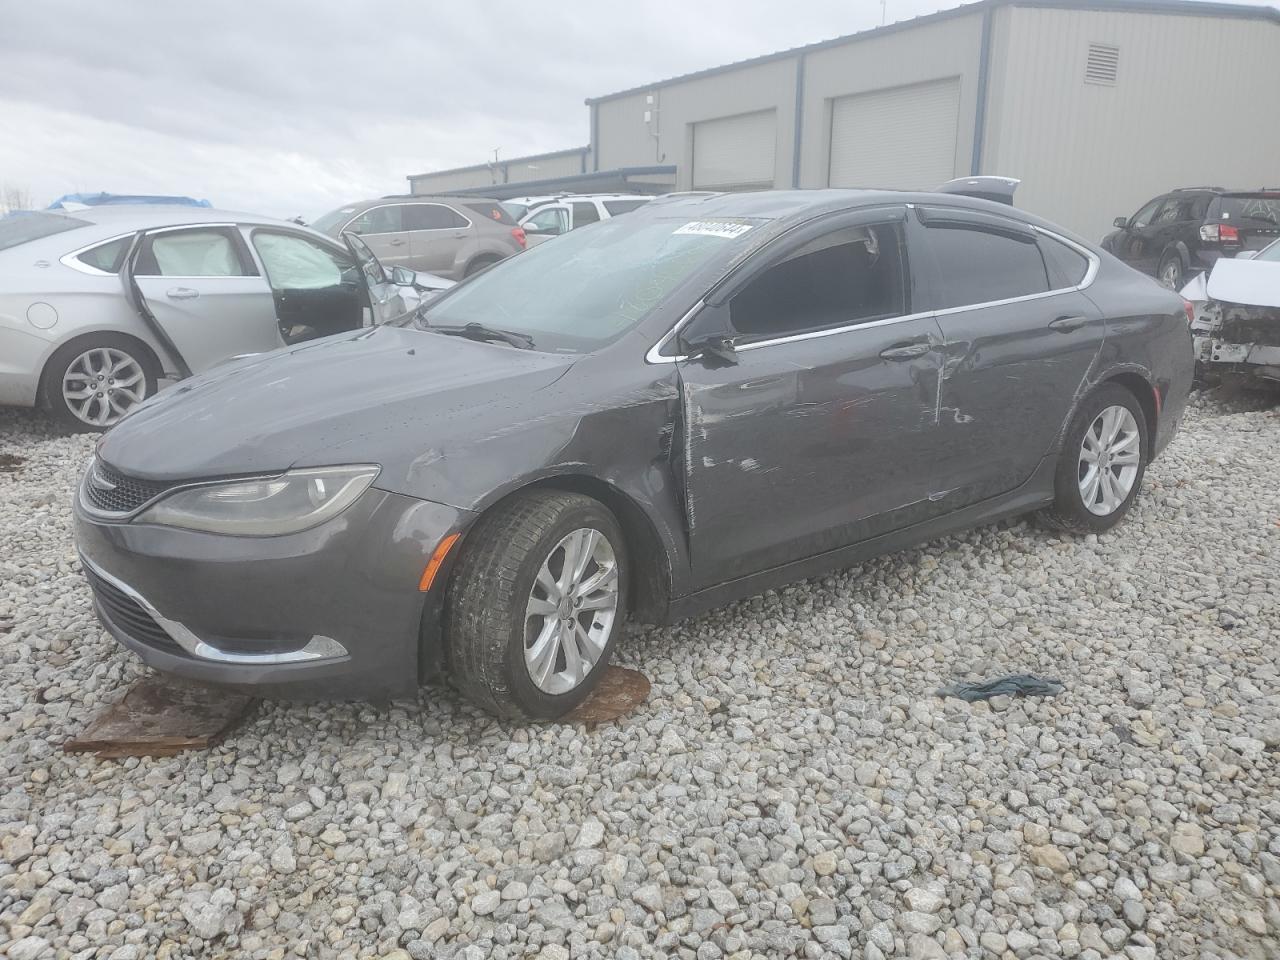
852,275
1145,215
295,263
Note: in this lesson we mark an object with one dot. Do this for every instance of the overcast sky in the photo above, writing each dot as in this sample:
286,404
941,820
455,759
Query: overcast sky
291,107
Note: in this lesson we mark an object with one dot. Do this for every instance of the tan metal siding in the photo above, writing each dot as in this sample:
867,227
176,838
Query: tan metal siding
934,51
1193,104
438,183
898,139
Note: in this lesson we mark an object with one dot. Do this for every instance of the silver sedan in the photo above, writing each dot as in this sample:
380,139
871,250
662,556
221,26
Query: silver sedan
99,307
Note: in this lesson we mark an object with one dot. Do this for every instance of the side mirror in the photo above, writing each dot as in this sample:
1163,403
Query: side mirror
710,337
1121,222
402,276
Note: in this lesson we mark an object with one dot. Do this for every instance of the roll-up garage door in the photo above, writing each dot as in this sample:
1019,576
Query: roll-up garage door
734,153
903,138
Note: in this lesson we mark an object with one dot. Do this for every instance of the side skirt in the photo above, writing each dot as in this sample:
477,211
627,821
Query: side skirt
1036,492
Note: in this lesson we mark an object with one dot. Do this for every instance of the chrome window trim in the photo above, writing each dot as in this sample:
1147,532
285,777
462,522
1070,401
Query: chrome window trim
654,355
407,203
317,648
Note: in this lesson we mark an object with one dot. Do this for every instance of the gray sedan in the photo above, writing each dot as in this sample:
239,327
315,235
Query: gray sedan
701,400
99,307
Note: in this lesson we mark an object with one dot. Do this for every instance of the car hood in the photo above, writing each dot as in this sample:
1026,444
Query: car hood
296,406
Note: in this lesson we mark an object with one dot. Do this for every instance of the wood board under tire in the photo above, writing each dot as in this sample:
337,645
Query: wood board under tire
160,717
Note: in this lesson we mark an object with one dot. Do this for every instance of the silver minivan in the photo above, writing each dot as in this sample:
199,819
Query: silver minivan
451,237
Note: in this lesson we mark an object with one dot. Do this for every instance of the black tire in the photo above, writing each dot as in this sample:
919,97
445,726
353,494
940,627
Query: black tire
1170,272
485,622
1069,511
478,264
55,370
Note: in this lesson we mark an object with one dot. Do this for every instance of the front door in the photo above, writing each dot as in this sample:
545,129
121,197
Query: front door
1020,339
202,288
383,229
816,430
317,290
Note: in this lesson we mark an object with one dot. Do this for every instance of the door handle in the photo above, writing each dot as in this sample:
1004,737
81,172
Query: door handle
1067,324
181,293
907,351
397,242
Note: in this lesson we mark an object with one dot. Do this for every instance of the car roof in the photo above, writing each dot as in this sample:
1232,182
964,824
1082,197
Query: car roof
125,217
421,198
782,205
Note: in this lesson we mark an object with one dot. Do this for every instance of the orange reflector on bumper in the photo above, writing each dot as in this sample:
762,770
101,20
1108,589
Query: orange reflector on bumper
437,558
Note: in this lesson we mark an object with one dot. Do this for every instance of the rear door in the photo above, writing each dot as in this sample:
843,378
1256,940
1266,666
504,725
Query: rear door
820,431
582,213
1020,339
204,291
382,228
436,233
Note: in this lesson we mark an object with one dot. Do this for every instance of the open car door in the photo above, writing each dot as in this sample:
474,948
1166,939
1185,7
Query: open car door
199,293
388,299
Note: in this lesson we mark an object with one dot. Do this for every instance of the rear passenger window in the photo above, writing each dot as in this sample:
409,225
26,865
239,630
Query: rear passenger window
584,213
190,253
849,276
432,216
377,220
493,211
1067,265
972,265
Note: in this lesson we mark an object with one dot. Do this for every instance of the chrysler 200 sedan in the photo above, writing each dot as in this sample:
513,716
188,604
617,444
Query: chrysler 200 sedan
658,413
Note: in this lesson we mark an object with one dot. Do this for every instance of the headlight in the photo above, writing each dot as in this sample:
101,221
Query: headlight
264,507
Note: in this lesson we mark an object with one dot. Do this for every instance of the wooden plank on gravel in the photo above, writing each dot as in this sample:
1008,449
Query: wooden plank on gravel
619,692
160,717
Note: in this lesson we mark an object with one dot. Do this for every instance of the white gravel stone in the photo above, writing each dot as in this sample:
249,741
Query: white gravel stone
791,788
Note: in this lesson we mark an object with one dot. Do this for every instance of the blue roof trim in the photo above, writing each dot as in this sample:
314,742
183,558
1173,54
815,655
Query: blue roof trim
1186,8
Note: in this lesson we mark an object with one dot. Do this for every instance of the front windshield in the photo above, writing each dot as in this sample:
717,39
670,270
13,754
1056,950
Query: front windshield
333,219
517,210
588,287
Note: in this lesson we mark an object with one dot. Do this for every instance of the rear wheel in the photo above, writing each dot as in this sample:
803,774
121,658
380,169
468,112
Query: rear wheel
535,604
91,383
1102,463
480,263
1170,272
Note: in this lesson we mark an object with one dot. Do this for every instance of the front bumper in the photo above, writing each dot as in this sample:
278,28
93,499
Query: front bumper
330,613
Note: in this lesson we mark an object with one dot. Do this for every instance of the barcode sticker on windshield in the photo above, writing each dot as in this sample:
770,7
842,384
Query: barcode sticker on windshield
714,228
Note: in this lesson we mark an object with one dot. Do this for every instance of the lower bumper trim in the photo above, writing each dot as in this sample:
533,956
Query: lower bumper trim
316,649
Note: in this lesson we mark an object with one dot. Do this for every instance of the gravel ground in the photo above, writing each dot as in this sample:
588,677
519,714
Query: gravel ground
791,788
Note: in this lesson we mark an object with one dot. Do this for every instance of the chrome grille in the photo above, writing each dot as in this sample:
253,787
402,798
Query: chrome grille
110,491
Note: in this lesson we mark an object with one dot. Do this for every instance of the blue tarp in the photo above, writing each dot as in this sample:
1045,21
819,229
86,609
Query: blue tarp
100,199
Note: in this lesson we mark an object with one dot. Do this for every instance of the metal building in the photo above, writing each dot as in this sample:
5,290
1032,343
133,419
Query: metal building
1097,105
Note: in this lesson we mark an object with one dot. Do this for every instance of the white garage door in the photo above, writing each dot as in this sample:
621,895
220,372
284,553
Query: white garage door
734,153
898,139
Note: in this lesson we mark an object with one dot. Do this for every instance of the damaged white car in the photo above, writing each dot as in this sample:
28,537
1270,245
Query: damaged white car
1236,331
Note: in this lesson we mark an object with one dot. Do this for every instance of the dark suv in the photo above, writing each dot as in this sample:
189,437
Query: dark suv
1186,230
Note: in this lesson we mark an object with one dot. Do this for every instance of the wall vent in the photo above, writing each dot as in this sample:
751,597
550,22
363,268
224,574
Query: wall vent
1103,64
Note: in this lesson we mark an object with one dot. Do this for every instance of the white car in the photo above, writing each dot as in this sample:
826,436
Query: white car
1236,331
547,217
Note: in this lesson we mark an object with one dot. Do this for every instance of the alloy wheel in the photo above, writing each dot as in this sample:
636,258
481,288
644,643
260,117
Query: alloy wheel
1170,274
1110,455
571,610
101,385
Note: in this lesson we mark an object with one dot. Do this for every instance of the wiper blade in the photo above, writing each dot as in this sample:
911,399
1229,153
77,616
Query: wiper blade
478,331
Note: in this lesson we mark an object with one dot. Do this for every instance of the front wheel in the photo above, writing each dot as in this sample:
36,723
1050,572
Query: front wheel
1102,463
535,604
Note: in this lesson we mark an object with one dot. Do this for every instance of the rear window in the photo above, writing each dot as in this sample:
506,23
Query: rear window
496,212
1248,208
33,226
516,210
